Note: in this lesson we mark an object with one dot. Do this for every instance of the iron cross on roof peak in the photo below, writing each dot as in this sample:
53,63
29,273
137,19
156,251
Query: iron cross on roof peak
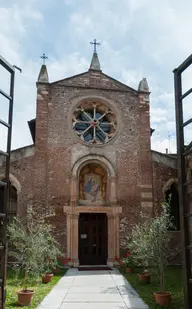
44,58
95,43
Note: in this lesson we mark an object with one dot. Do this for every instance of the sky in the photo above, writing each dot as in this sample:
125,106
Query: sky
139,38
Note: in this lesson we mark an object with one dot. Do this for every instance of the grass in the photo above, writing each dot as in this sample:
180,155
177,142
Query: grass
41,290
173,285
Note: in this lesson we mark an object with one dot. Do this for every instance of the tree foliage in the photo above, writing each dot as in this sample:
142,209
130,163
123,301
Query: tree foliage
30,241
150,242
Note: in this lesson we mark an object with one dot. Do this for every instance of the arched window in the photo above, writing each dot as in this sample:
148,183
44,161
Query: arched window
172,198
12,204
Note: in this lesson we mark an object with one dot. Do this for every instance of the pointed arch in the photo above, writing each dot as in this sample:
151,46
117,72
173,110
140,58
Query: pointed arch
14,191
169,183
14,181
171,196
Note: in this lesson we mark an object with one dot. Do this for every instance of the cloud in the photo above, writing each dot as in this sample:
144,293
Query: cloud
138,39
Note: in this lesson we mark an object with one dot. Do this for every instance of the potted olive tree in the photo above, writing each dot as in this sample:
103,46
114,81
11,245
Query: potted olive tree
51,253
140,243
160,241
27,243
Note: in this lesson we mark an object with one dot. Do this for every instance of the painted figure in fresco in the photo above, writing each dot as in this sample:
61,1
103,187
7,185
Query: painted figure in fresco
92,189
95,190
89,184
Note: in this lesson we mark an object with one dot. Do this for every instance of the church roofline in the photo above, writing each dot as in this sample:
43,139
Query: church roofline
165,159
19,153
117,81
81,74
22,148
70,77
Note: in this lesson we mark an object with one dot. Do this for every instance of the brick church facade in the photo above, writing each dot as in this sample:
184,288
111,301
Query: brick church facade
91,167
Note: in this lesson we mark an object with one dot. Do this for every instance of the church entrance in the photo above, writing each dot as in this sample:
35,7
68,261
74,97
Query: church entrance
93,239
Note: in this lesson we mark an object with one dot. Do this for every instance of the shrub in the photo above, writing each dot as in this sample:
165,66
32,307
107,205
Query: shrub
150,243
159,238
30,240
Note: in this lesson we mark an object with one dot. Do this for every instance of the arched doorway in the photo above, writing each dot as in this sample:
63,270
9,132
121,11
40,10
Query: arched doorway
99,211
12,203
172,198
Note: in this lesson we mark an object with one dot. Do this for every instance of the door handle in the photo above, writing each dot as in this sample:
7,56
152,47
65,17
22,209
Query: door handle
94,245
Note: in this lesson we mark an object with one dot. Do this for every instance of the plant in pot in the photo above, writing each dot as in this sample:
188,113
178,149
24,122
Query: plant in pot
140,247
50,253
127,262
65,263
160,239
27,241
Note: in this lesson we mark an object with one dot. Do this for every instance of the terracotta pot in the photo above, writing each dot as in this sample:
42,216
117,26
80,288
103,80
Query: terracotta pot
145,277
128,270
46,278
25,297
163,298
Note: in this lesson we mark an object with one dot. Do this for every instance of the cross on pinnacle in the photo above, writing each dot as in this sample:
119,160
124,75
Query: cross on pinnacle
95,43
44,58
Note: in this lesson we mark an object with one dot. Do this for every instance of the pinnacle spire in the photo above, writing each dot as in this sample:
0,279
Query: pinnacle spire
143,86
95,64
43,75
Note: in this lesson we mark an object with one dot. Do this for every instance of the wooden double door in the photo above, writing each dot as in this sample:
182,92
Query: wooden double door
93,239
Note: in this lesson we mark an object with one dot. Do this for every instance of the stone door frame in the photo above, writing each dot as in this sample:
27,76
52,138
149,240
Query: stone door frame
73,231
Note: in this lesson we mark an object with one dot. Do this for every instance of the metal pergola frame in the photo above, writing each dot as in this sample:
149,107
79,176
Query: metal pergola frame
5,182
184,194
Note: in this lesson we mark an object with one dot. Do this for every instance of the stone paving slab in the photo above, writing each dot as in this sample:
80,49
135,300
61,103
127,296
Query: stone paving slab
93,306
92,290
84,298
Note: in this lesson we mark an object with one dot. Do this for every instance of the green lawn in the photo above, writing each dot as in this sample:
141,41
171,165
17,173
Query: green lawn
173,284
41,290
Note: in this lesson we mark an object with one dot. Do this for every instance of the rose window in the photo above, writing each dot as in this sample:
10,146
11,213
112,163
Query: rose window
94,123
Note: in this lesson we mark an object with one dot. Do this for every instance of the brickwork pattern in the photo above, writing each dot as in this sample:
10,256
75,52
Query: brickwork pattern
46,178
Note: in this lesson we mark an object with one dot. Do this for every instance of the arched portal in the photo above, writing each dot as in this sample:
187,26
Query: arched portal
12,202
172,199
93,214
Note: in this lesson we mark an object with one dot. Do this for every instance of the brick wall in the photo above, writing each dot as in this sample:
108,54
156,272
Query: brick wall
22,168
56,143
161,175
46,176
164,172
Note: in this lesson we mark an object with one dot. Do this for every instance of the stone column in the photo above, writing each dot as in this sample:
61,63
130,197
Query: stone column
113,193
69,235
75,239
73,190
117,228
111,240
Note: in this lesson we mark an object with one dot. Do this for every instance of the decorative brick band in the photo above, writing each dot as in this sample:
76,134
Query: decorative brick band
147,204
146,195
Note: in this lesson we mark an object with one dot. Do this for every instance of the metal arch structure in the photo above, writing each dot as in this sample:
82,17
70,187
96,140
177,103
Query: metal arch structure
185,193
5,182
